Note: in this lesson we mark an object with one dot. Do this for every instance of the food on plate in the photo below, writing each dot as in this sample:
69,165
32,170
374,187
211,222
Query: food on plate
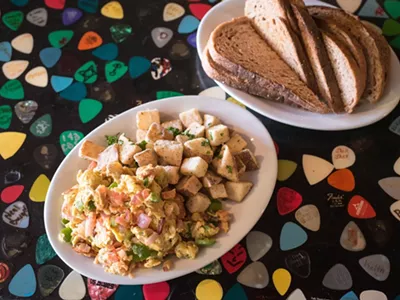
139,204
316,58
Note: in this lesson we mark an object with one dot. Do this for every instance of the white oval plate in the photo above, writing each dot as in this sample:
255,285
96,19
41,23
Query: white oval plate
363,115
246,213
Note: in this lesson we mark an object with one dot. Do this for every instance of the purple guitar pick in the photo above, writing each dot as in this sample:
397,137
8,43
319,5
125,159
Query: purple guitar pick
71,15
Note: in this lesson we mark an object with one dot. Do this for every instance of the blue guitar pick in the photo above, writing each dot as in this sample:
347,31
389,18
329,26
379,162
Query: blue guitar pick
89,6
106,52
292,236
350,296
60,83
191,39
50,56
5,51
75,92
188,24
71,15
133,292
138,65
20,3
236,293
23,283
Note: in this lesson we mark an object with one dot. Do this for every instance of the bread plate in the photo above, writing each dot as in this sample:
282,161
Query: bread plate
245,214
364,114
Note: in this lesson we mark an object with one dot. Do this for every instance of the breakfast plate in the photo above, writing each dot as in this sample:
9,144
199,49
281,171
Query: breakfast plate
245,214
365,114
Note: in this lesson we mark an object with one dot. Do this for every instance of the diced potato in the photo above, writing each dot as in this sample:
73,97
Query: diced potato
182,138
170,152
198,147
198,203
140,135
194,166
189,186
146,117
146,157
177,124
227,166
90,150
172,174
218,191
210,121
248,158
211,179
108,156
238,190
157,132
217,135
190,116
236,143
127,149
171,194
196,130
241,167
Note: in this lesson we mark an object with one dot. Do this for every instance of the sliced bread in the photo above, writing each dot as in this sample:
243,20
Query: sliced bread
238,56
346,70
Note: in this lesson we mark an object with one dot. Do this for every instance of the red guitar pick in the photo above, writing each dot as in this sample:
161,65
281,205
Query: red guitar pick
56,4
156,291
11,193
288,200
360,208
199,9
4,272
342,180
234,259
99,290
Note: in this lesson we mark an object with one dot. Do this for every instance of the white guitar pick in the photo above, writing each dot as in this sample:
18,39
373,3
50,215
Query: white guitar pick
23,43
13,69
37,77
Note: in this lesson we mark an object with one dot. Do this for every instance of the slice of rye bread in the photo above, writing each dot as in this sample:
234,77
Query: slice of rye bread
346,70
376,50
268,18
319,59
237,48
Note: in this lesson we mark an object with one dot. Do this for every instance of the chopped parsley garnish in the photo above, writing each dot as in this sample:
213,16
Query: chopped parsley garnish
229,169
142,144
112,139
174,131
209,124
211,135
113,185
219,156
189,135
121,142
91,205
146,182
205,143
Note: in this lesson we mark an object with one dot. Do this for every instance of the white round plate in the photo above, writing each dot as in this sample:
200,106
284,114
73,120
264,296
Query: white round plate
246,213
363,115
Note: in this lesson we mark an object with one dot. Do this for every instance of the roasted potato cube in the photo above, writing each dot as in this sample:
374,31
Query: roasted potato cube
177,124
170,152
248,158
90,150
157,132
190,116
146,117
189,186
217,135
195,130
238,190
210,121
110,155
198,147
198,203
194,166
211,179
236,143
172,174
227,167
182,138
127,149
171,194
241,167
146,157
218,191
140,135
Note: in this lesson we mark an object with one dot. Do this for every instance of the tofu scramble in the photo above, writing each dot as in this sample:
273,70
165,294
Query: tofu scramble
139,204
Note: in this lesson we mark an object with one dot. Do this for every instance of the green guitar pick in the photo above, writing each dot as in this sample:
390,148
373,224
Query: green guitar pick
89,109
391,27
115,70
13,19
393,8
87,73
42,126
167,94
68,140
60,38
12,90
5,116
396,42
120,32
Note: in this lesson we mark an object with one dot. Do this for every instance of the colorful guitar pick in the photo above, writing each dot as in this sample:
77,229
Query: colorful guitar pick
11,193
87,73
16,215
133,292
349,6
360,208
12,90
50,56
199,9
299,263
288,200
393,7
113,10
90,6
114,70
20,3
23,284
60,38
23,43
281,279
286,168
234,259
352,239
100,290
75,92
292,236
236,292
60,83
10,143
208,289
5,116
89,109
343,180
42,127
55,4
156,291
120,32
172,11
68,140
343,157
138,65
188,24
37,77
90,40
13,69
13,19
39,188
5,51
106,52
71,16
44,251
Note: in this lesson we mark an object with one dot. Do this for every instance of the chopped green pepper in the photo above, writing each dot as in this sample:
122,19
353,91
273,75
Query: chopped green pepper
142,144
79,205
91,205
146,182
113,185
66,234
155,198
64,221
112,222
215,205
112,139
229,169
205,242
141,252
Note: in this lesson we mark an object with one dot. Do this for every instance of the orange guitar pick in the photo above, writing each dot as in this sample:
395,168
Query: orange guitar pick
90,40
360,208
342,180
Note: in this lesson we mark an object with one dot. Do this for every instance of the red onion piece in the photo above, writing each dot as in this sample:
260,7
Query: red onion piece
160,225
151,239
143,221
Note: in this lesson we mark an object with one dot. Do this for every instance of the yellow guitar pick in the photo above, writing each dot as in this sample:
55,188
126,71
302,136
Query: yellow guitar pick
113,10
39,189
282,280
10,142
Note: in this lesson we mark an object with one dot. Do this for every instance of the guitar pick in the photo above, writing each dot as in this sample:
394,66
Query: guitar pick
68,140
299,263
23,43
309,217
281,279
160,67
338,278
5,51
380,230
199,9
42,127
90,40
192,39
14,244
343,157
393,7
395,125
20,3
55,4
396,166
4,272
11,193
214,92
390,185
12,177
37,17
288,200
90,6
236,292
391,27
138,65
395,209
292,236
23,284
16,214
156,291
103,91
258,244
13,19
213,268
46,155
39,188
50,56
5,116
113,10
172,11
286,168
297,294
49,277
372,294
161,36
372,9
10,143
349,6
114,70
60,83
133,292
99,290
106,52
72,287
120,32
44,251
12,90
37,77
25,110
87,73
234,259
255,275
360,208
377,265
315,168
71,15
89,109
167,94
75,92
188,24
60,38
179,51
343,180
352,239
207,289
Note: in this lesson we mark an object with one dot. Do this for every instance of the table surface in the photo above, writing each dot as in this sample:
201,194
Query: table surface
43,131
